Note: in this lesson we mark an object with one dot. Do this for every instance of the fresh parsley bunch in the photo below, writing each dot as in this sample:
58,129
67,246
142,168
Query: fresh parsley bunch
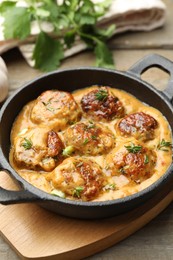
69,19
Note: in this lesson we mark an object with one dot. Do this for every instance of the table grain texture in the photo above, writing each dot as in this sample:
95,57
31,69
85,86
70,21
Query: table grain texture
155,240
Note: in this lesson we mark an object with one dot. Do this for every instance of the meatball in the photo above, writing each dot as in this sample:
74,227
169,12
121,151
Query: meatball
139,125
78,178
38,148
89,138
133,160
55,107
101,105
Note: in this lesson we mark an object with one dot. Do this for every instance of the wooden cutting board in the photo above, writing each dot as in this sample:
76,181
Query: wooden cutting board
35,233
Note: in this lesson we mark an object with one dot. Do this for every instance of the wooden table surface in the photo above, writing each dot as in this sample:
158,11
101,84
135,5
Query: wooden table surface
155,240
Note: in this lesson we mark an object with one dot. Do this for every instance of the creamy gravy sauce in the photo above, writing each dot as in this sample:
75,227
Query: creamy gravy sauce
125,187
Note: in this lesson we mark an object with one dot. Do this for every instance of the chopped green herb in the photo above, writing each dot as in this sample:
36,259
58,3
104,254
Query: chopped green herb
107,167
77,191
79,164
27,144
68,150
122,170
58,193
101,95
91,125
109,186
94,137
86,141
133,148
146,160
161,146
51,109
48,107
45,104
71,122
23,131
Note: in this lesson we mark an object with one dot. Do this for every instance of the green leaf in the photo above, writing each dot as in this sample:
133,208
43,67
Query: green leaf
69,38
102,7
104,57
87,7
106,33
42,12
17,23
53,9
48,53
85,19
63,21
70,17
105,4
88,39
73,4
5,6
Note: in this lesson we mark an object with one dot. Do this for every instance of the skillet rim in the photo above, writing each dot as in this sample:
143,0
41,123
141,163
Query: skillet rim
44,196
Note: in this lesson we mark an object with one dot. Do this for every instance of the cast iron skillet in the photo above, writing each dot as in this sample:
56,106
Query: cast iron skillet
69,80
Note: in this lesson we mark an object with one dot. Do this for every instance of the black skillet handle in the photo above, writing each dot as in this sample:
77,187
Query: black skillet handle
155,60
8,197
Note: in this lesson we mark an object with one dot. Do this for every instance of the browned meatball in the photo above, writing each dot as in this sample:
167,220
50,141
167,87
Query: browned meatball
78,178
133,160
101,104
38,148
54,144
55,107
140,125
89,138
